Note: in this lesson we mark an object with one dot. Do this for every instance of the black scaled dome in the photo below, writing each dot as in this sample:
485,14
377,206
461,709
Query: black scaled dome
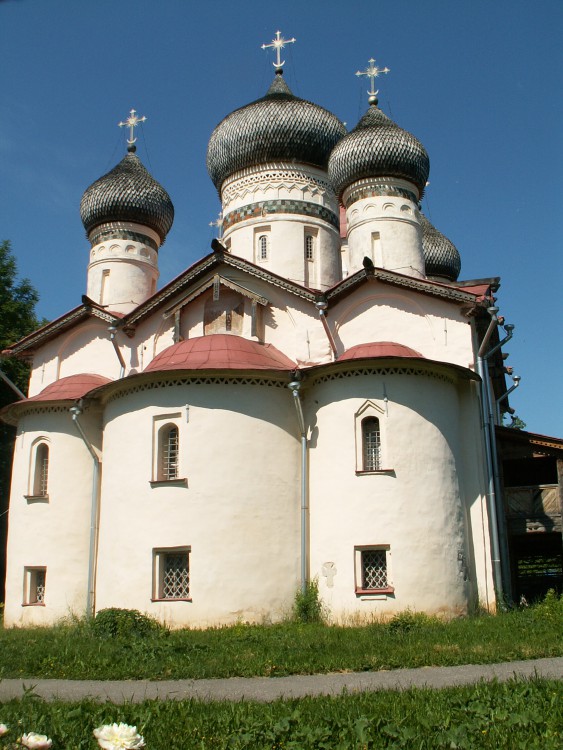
377,147
128,193
277,127
441,257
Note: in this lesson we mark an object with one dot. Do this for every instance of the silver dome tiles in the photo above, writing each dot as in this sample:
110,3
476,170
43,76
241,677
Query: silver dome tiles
128,193
377,147
441,256
277,127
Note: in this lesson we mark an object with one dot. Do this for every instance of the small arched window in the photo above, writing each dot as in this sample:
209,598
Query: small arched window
41,471
263,247
169,452
309,247
371,444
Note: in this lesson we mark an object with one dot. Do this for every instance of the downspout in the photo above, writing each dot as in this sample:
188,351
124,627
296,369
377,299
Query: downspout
294,386
499,542
12,385
321,307
483,372
94,513
516,379
112,330
501,519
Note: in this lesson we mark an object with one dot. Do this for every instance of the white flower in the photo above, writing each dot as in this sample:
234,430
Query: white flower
3,730
118,737
36,741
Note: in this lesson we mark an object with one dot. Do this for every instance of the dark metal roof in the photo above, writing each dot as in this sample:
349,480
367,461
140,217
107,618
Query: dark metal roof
377,147
128,193
277,127
441,256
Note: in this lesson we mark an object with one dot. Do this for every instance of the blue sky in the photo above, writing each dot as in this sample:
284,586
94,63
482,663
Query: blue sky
478,82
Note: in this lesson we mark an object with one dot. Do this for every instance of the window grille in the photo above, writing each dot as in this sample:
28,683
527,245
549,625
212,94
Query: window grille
374,569
263,247
309,246
170,453
34,585
41,474
175,576
40,586
371,438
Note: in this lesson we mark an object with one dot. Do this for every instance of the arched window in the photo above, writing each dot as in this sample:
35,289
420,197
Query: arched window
41,471
169,452
371,444
263,247
309,247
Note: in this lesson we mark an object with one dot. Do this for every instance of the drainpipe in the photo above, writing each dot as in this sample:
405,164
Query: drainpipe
502,532
294,386
12,385
90,599
483,372
516,379
499,542
321,307
112,330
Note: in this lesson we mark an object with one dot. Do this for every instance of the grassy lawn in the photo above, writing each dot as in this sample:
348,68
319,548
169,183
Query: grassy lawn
512,715
518,714
78,651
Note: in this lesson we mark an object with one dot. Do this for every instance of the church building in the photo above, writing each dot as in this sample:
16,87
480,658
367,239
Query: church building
308,401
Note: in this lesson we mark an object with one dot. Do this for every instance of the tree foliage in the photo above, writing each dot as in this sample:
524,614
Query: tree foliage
17,319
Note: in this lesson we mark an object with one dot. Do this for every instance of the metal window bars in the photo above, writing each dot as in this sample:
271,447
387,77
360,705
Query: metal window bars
170,454
372,444
309,245
43,474
39,587
175,576
374,569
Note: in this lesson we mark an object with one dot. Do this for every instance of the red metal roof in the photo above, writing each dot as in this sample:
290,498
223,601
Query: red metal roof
220,351
70,388
379,349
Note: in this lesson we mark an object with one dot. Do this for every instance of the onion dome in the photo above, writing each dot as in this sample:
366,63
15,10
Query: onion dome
441,257
277,127
377,147
128,193
220,351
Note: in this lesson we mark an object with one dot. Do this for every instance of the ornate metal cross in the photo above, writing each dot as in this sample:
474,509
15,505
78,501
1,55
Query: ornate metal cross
372,72
131,122
278,44
218,223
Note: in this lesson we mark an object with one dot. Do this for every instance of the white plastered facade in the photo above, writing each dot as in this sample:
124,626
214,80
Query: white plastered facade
235,509
215,536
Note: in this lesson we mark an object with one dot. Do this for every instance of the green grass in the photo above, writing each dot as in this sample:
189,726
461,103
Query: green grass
75,651
513,715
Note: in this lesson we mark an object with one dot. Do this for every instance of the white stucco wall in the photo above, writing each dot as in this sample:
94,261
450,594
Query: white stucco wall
238,512
86,348
267,185
417,507
51,532
377,312
385,228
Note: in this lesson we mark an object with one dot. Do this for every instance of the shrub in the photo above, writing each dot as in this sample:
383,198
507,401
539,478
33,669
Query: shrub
115,622
307,605
407,621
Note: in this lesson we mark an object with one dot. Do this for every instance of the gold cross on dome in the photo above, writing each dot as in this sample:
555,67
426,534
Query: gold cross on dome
372,72
278,44
131,122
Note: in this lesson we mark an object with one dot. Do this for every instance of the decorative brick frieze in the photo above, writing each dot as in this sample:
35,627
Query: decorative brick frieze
263,209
